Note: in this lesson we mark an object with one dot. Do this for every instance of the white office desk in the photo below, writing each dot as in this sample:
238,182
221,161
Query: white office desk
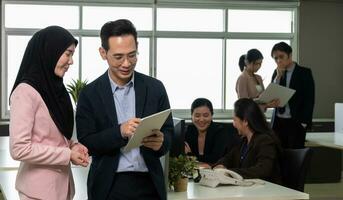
7,183
268,191
327,139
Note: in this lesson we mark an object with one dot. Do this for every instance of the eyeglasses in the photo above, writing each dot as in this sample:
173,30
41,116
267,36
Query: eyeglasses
120,58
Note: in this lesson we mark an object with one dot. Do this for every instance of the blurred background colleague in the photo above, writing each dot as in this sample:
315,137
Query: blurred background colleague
249,84
291,121
205,139
258,154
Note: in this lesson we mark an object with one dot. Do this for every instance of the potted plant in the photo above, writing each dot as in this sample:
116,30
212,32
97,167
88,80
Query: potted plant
180,168
75,87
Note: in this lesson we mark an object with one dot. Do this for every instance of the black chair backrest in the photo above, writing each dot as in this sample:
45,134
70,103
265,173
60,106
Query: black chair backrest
294,166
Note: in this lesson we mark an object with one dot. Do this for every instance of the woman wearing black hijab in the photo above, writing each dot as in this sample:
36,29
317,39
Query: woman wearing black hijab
41,122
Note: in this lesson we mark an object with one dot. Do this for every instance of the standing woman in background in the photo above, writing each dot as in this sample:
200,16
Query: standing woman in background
41,122
249,84
205,139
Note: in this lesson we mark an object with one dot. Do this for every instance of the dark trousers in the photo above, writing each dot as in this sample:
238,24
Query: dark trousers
132,186
291,133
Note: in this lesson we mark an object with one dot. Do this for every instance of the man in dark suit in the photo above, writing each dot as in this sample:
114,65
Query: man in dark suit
291,121
108,112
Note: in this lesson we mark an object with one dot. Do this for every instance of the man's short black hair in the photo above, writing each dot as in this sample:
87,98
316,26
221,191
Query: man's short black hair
282,46
116,28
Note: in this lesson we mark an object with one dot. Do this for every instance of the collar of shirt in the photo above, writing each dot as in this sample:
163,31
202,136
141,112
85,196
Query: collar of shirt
291,68
115,86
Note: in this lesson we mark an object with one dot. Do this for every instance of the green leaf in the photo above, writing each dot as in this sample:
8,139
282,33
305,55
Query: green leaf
181,166
74,88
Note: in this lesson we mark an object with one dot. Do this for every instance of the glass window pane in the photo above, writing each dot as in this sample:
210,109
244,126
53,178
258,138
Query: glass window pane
260,21
143,64
15,50
177,19
140,17
94,66
236,48
188,70
40,16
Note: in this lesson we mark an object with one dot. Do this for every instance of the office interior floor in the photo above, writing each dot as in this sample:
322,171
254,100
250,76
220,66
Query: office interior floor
323,191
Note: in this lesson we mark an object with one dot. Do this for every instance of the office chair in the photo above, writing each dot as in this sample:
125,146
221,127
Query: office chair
294,165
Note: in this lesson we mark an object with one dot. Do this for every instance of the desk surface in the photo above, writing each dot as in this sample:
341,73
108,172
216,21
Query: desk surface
267,191
327,139
7,183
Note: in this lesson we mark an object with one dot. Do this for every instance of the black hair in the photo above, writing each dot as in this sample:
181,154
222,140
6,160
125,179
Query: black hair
253,55
241,62
282,46
116,28
202,102
247,109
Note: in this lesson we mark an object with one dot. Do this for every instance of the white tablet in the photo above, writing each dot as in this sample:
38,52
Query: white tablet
149,123
275,91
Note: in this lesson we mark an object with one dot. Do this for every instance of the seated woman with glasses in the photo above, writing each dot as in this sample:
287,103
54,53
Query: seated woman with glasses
249,84
258,154
205,139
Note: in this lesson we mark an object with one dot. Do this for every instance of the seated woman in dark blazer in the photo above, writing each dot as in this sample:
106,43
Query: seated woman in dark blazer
205,139
259,152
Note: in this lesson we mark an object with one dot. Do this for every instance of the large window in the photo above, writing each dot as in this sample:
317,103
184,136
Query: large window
193,48
196,69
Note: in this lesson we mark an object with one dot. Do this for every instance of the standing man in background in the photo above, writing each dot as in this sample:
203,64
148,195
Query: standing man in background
108,113
291,121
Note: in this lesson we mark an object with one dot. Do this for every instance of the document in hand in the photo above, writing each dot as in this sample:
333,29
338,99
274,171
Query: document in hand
275,91
149,123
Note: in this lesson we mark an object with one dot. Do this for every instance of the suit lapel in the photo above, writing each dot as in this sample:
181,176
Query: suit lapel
107,98
140,94
292,82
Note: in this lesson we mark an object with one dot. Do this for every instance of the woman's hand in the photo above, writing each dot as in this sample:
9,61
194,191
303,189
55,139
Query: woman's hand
219,167
187,148
79,155
202,165
273,103
78,158
80,148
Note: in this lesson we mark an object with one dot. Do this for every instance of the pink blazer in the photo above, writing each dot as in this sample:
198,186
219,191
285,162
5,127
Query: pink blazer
44,171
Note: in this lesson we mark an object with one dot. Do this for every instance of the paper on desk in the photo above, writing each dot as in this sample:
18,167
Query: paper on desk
149,123
275,91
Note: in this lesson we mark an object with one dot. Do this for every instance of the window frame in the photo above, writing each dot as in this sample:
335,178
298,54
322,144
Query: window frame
220,114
